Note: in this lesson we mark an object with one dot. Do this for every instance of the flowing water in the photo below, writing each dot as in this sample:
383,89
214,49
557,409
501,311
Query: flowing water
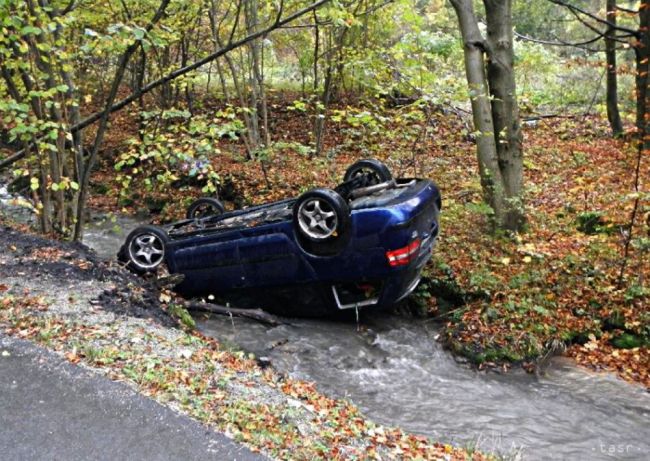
19,209
106,233
396,371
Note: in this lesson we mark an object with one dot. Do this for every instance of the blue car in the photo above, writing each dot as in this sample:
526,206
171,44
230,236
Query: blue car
361,244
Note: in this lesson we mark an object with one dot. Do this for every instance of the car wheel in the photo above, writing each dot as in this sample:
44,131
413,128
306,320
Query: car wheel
372,171
204,207
144,249
322,221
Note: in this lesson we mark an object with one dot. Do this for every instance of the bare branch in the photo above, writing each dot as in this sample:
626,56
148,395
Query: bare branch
329,23
577,11
254,314
280,10
11,86
626,10
235,22
71,6
560,42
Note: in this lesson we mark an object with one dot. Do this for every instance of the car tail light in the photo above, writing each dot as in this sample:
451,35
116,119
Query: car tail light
403,256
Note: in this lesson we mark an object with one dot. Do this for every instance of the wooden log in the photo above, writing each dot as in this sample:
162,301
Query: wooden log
254,314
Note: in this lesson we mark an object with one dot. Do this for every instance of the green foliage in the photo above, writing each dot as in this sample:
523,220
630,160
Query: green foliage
627,341
592,222
481,208
179,312
178,152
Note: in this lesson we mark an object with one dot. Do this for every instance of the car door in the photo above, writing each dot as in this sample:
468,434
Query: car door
269,258
210,263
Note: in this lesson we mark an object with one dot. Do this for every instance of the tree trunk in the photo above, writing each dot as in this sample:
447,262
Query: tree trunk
335,44
256,79
613,114
214,29
475,48
316,51
642,54
505,111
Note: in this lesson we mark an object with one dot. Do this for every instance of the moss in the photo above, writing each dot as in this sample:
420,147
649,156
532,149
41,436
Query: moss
479,355
627,341
592,223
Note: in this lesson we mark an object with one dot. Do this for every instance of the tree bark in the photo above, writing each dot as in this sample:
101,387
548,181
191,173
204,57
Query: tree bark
642,55
258,93
613,114
475,49
505,111
316,51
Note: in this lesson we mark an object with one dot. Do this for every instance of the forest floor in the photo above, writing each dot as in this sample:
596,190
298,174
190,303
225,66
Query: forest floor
103,318
562,285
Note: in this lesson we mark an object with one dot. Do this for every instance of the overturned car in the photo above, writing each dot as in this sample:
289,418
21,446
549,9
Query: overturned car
361,244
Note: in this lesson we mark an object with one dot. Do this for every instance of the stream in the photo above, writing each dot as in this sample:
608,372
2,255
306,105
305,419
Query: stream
396,371
398,374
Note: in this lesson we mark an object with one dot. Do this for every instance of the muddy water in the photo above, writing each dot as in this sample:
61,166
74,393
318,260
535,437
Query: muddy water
106,233
15,207
398,374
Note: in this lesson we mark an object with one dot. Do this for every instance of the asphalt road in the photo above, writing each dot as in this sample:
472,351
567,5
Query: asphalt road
51,409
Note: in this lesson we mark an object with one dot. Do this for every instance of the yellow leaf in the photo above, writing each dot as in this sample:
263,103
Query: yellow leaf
165,298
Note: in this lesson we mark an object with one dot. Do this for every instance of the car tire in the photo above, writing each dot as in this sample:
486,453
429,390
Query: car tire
144,249
322,222
204,207
373,171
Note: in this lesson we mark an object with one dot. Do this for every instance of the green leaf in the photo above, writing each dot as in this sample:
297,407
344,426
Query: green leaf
30,30
139,32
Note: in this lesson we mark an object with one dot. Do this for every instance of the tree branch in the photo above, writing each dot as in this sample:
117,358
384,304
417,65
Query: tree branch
575,10
626,10
560,42
235,22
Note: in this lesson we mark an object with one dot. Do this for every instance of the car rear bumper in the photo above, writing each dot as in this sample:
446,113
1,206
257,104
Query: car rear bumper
397,286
